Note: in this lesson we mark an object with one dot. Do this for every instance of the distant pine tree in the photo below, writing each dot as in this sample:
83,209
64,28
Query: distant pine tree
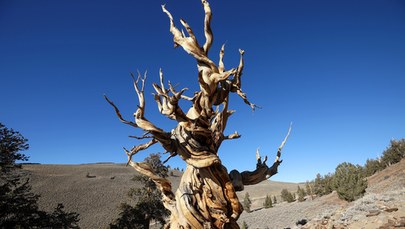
349,181
267,202
301,194
309,189
287,196
394,153
372,166
18,204
247,203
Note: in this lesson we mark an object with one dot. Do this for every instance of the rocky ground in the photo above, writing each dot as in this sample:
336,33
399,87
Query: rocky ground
95,192
383,206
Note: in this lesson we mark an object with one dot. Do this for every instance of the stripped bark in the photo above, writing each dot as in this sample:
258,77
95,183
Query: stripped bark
206,197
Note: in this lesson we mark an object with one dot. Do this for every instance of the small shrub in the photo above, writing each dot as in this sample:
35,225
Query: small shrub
244,225
247,203
301,194
267,202
287,196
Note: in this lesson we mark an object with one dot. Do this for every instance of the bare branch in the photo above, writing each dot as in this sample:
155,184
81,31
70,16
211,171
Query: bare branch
189,44
138,148
244,97
282,144
170,156
144,136
238,75
233,136
140,91
218,77
117,111
187,98
207,27
168,105
189,31
221,66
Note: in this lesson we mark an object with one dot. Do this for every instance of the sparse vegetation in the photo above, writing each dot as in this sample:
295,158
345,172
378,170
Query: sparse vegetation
287,196
244,225
268,203
309,188
149,205
350,180
18,205
247,203
394,153
301,194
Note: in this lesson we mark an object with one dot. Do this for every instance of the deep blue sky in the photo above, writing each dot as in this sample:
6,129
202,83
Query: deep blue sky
336,69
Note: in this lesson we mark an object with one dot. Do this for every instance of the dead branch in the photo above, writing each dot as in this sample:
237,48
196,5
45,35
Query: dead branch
207,27
282,145
233,136
167,104
134,150
117,111
145,135
262,171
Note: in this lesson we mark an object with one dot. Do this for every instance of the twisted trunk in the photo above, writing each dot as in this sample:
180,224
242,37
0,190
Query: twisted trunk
206,197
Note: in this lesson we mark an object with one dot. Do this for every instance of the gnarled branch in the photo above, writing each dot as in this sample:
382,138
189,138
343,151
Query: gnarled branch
262,171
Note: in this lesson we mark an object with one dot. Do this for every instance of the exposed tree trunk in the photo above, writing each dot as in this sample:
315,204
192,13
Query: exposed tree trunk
206,197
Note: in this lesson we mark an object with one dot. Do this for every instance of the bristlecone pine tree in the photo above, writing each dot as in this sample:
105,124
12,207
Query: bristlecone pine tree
206,197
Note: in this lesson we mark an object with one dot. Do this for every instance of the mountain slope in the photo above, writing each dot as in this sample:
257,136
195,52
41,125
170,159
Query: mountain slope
96,190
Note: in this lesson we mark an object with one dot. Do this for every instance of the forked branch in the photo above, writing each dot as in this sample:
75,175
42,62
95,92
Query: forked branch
262,171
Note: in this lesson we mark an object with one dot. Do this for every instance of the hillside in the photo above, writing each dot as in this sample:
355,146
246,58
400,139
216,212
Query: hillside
96,190
97,198
383,206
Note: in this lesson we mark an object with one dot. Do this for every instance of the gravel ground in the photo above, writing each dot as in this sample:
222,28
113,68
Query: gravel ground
286,215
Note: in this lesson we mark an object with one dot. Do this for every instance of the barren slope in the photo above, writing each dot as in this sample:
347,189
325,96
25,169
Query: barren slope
96,199
382,206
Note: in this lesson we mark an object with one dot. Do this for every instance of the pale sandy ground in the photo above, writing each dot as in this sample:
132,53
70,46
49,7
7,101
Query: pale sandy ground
97,199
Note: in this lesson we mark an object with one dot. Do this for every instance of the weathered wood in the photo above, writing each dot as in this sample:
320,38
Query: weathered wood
206,197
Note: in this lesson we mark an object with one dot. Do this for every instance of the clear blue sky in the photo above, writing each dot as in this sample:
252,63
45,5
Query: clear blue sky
336,69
